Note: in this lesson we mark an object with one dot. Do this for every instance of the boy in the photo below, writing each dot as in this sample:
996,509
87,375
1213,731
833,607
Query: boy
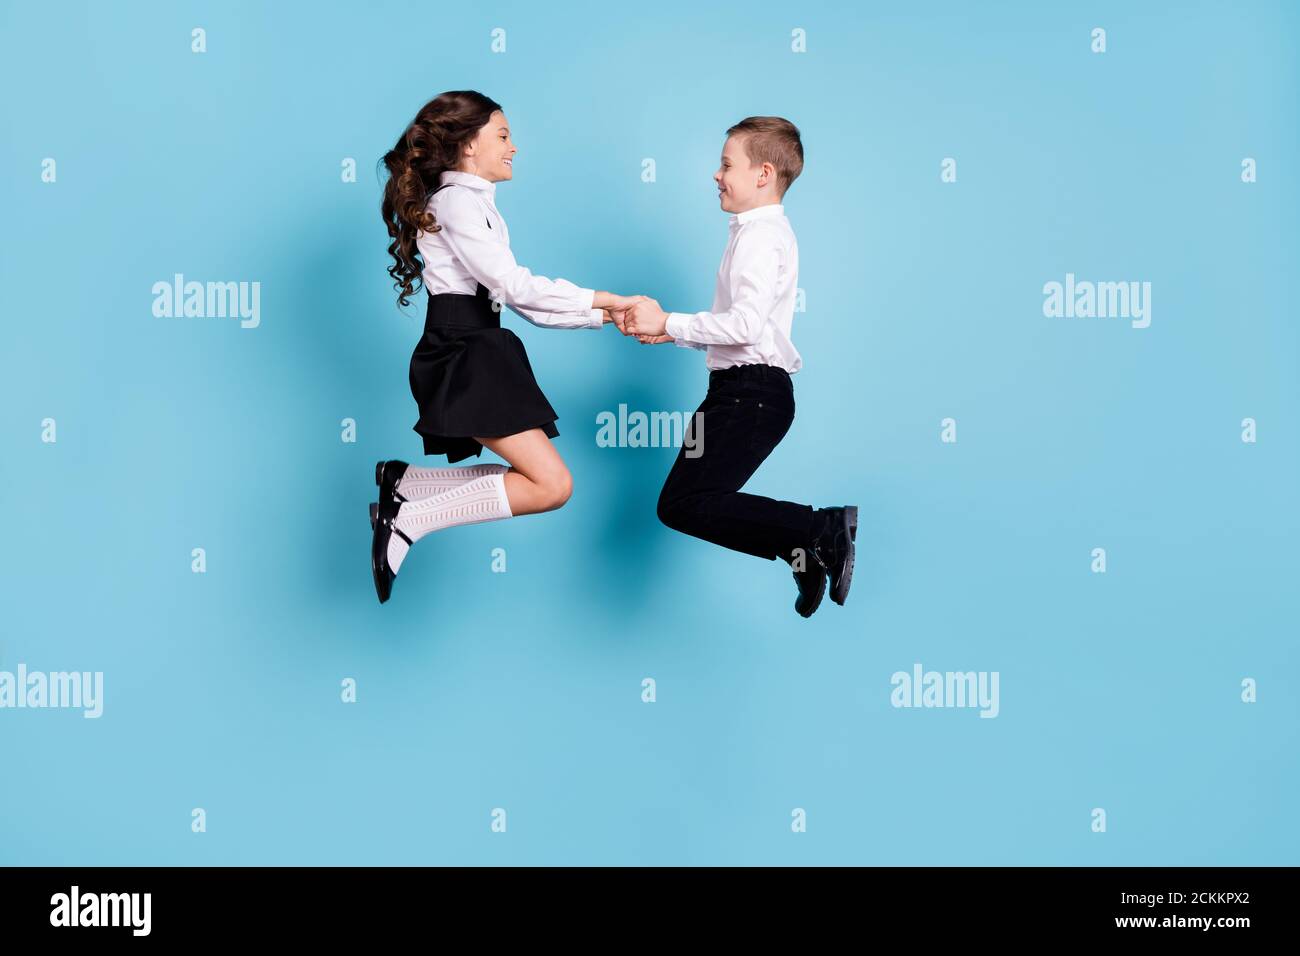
750,402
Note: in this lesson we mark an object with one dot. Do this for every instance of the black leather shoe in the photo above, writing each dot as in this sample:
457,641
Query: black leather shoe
384,530
387,475
812,585
835,548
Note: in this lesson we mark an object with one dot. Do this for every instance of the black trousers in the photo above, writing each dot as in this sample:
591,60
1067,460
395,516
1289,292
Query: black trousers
746,413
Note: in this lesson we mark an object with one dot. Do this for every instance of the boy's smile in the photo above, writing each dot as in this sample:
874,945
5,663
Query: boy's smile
742,185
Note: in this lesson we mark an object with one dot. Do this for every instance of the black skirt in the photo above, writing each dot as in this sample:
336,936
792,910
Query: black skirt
471,378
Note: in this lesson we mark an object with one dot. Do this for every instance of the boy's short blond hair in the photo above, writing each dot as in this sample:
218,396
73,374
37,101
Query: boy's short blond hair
771,139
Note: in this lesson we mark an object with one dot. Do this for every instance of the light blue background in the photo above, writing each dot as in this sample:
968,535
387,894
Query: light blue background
522,690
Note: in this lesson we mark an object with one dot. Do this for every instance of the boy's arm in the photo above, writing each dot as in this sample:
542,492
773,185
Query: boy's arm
755,265
685,343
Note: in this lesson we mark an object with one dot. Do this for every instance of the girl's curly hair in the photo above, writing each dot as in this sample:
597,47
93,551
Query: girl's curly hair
427,148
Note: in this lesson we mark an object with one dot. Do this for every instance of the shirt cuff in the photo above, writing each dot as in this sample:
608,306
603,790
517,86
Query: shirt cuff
596,319
588,301
676,325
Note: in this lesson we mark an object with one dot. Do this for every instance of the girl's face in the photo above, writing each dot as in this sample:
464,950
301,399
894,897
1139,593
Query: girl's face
490,154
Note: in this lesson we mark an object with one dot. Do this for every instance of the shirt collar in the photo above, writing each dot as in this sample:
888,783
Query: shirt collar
470,180
758,212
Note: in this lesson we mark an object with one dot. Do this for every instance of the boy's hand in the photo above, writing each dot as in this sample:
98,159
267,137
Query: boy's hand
617,311
654,339
645,318
614,308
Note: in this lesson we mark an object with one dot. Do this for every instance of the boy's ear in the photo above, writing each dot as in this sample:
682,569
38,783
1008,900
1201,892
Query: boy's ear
767,175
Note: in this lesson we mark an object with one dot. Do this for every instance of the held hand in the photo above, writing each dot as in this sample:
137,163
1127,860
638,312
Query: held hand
613,302
654,339
645,318
617,309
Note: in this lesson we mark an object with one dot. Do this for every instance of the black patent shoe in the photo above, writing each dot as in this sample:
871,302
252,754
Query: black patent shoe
385,528
835,548
387,475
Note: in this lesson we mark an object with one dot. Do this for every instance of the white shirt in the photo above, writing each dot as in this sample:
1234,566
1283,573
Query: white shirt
753,301
473,246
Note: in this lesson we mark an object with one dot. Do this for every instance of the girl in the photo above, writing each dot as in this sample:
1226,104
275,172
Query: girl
470,377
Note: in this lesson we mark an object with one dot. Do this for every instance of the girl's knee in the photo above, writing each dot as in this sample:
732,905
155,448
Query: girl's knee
556,488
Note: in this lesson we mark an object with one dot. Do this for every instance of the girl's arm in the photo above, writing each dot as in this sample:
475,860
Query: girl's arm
562,320
493,264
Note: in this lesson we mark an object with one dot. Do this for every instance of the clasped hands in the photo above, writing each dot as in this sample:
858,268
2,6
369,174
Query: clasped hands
638,316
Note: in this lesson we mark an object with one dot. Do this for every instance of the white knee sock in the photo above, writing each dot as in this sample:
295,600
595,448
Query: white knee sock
481,499
426,482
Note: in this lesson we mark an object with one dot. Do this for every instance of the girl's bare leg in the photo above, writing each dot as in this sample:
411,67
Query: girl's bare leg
538,479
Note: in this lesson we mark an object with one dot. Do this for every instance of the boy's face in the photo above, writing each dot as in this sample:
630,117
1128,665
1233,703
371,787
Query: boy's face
742,185
490,154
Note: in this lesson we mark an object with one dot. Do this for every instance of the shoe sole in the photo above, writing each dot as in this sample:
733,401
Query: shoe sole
378,557
379,480
841,591
383,588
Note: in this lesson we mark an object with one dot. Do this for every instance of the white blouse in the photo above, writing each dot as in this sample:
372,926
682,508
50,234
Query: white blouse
473,246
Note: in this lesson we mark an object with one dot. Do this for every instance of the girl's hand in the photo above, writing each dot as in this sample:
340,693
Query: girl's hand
616,317
614,302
